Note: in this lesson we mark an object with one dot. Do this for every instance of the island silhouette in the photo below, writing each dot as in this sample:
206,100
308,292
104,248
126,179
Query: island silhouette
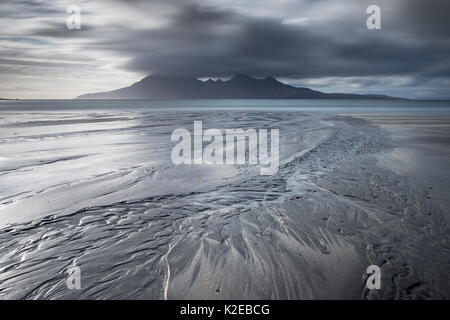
240,86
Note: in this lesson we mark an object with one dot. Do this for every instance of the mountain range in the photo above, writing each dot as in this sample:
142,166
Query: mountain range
240,86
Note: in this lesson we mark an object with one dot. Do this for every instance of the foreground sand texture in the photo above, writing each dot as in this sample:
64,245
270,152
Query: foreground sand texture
98,190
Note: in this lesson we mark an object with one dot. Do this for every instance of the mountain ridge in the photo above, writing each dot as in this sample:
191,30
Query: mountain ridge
240,86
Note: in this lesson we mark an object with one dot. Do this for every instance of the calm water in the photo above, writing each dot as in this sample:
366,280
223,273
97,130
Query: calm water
282,105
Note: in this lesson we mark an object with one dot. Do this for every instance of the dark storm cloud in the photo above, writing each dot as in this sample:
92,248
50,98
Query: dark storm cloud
191,15
301,39
428,18
200,40
209,41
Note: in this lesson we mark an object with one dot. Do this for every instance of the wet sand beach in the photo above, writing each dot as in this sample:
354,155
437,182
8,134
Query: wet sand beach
98,190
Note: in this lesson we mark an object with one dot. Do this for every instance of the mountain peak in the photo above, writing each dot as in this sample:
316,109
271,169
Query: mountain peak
241,86
270,78
164,76
155,76
242,76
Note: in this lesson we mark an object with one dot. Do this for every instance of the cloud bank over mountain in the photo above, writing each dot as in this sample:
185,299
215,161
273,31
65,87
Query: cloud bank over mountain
320,44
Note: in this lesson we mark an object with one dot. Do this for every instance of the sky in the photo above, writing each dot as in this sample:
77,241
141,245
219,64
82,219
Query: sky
320,44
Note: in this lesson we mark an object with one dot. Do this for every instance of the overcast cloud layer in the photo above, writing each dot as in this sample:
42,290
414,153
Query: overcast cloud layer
322,44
